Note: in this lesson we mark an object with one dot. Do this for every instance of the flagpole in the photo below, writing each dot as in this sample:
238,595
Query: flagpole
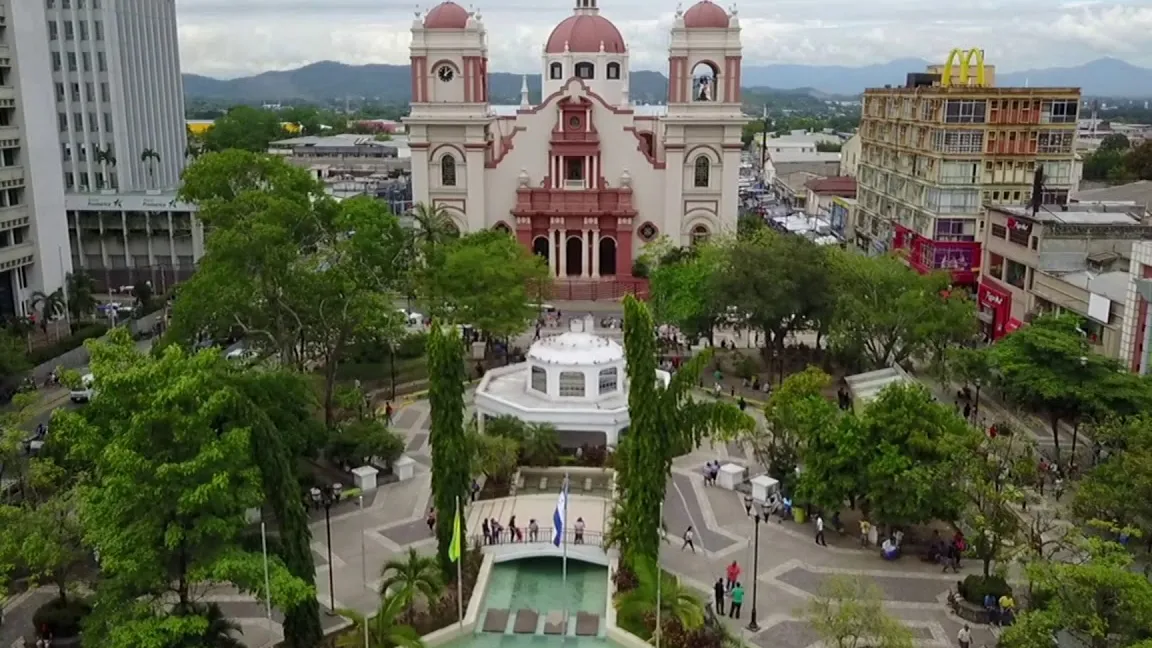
460,570
267,578
659,580
564,560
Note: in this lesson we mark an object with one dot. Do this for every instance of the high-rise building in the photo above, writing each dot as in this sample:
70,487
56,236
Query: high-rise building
936,152
33,237
119,119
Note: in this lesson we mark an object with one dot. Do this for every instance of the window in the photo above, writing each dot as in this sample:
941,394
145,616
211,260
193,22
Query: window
539,379
951,229
98,30
93,124
556,71
958,141
1058,173
59,91
571,384
965,111
68,182
71,61
77,122
447,170
574,169
50,4
1054,197
53,30
1059,112
104,95
86,59
700,234
101,62
585,70
83,30
62,121
999,231
69,30
952,172
613,70
75,92
56,62
89,91
1015,273
1020,231
996,266
65,151
1055,142
703,167
609,380
953,201
65,4
108,122
82,150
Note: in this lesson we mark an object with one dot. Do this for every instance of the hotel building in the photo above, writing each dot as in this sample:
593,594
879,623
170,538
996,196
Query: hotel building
33,239
938,151
119,115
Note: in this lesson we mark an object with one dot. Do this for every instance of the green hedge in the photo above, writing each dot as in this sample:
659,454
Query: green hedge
61,619
409,347
86,332
975,587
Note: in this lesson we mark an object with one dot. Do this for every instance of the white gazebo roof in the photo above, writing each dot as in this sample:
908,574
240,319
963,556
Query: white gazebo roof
865,387
576,347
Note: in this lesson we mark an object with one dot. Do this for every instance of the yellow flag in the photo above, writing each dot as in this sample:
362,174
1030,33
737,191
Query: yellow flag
454,548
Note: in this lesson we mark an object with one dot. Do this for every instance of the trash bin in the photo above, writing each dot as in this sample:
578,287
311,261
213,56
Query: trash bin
798,514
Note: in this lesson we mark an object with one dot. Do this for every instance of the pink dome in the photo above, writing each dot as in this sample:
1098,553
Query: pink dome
705,15
584,33
446,15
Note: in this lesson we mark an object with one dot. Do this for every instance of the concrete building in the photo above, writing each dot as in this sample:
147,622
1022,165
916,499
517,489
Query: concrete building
347,156
119,114
1139,193
842,218
33,236
822,191
788,162
1136,334
1059,261
936,152
586,177
850,156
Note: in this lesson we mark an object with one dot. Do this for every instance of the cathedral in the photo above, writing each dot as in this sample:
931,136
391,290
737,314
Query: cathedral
586,177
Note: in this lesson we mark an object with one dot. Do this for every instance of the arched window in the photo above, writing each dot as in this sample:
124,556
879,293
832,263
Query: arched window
447,170
540,379
613,70
700,234
572,384
556,71
585,70
703,168
609,380
502,228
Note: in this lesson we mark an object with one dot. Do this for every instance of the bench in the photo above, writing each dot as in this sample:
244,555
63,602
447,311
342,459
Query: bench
587,484
543,483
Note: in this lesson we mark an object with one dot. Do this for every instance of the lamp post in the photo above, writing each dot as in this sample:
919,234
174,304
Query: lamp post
757,514
325,497
976,407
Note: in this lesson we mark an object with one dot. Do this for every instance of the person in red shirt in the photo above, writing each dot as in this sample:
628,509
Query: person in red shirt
733,574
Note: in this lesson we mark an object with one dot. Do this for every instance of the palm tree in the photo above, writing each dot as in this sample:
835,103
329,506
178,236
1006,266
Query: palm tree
539,444
150,157
104,156
220,633
50,305
382,629
676,601
434,223
405,580
81,294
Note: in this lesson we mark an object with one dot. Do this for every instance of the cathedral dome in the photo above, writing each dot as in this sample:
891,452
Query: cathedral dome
446,15
705,15
584,33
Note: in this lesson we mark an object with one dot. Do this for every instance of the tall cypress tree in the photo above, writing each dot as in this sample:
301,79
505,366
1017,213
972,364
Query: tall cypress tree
450,460
642,482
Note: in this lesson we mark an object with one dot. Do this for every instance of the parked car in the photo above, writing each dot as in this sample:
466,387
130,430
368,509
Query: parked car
83,392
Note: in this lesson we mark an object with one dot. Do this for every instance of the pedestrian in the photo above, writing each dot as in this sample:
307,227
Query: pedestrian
431,520
967,411
733,574
388,412
820,531
865,530
688,534
718,593
579,529
513,531
952,559
533,530
487,532
964,637
737,601
742,403
475,490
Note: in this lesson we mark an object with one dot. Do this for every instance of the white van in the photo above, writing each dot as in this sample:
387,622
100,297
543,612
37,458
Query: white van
84,392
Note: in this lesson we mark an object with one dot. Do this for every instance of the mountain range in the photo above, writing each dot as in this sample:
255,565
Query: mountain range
328,80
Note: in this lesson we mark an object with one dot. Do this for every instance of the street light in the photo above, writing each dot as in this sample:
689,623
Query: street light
757,513
976,407
326,497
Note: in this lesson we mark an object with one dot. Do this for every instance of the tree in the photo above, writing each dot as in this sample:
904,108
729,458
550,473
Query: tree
13,361
383,631
1118,489
885,314
995,480
166,451
219,630
828,147
1114,142
451,476
81,294
150,158
849,613
1101,602
485,279
1048,368
495,456
244,128
142,291
434,225
539,445
679,286
357,442
410,579
666,421
50,305
637,607
105,157
778,283
900,459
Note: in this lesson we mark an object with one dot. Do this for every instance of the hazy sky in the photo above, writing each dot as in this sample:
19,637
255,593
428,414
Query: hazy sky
228,38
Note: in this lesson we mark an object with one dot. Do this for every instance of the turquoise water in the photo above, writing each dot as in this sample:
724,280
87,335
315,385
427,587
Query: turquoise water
535,584
525,641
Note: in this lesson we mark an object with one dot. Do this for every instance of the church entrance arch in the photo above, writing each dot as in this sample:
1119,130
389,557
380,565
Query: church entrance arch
607,257
541,248
573,256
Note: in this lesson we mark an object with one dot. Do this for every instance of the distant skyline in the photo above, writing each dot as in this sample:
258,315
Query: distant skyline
231,38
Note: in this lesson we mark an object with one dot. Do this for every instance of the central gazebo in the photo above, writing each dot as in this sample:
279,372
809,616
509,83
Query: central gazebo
575,381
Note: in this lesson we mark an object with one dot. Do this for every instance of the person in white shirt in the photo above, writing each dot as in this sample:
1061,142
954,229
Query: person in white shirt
964,637
820,531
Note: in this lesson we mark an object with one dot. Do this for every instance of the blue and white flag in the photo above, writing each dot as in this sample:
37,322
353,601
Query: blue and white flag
560,515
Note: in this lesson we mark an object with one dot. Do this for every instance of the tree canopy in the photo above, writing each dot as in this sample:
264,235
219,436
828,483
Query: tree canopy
244,128
451,459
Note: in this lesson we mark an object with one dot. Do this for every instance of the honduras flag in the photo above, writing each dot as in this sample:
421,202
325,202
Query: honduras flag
560,515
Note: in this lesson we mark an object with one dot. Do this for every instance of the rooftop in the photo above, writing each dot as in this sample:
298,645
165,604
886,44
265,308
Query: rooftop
787,157
511,384
640,110
1113,285
576,347
1055,216
1139,192
837,186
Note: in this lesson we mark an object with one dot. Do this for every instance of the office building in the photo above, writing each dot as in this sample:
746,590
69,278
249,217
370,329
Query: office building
119,115
939,150
33,239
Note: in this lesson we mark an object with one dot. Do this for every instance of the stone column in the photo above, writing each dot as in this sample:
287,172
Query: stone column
563,253
552,252
585,236
595,254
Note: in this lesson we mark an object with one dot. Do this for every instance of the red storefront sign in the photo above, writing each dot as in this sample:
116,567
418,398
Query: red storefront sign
997,301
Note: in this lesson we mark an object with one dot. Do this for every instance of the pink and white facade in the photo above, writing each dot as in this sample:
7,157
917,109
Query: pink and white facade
584,178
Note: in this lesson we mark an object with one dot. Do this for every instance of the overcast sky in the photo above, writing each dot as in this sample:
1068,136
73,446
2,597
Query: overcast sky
228,38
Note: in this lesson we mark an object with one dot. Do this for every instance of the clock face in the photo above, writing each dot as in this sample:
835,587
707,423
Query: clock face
574,122
445,73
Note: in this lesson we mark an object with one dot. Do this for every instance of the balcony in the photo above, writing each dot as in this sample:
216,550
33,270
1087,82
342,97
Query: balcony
18,255
575,202
7,93
574,185
9,134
